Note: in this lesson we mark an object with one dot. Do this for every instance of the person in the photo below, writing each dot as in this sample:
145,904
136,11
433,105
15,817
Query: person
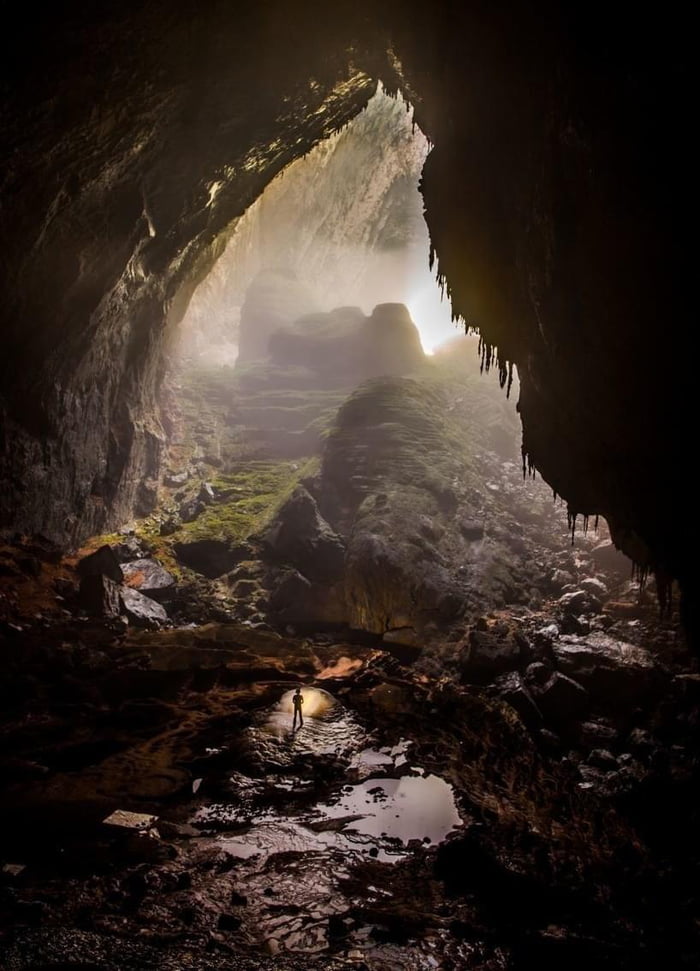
297,701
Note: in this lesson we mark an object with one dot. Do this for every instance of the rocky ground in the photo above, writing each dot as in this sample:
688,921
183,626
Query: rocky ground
499,758
539,816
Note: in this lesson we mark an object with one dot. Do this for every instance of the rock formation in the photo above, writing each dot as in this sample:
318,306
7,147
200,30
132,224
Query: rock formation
552,201
155,811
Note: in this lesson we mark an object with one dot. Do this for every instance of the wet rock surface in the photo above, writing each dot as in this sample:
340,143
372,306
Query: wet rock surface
411,822
497,718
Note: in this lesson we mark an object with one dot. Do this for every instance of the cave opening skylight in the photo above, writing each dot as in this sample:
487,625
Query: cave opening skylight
341,227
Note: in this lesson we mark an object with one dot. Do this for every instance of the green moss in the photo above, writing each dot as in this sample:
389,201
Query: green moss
254,493
398,429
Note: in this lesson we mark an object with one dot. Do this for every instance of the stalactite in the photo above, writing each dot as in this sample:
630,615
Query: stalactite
528,465
595,525
510,379
664,593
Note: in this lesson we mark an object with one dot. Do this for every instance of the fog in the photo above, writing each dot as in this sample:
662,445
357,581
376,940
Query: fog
344,225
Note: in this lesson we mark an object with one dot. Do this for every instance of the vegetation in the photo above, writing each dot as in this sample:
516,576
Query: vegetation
254,493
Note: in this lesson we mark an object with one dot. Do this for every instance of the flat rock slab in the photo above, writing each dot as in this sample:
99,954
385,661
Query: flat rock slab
129,820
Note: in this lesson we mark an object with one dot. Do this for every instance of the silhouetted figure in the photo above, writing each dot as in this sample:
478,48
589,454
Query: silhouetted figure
297,701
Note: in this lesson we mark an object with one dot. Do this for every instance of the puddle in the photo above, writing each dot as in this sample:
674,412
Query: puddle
369,760
296,847
409,808
269,837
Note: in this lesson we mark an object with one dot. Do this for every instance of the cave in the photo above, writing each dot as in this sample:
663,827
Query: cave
229,468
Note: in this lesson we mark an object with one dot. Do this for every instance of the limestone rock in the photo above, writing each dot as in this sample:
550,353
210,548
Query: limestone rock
190,509
561,698
594,586
149,577
294,599
343,347
102,561
486,655
141,610
130,548
206,494
471,530
578,602
511,689
614,672
301,536
99,596
175,479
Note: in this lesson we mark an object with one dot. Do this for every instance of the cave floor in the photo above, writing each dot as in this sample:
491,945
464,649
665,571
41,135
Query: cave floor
411,822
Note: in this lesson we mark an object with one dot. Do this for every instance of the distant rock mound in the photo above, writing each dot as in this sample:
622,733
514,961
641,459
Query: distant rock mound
344,347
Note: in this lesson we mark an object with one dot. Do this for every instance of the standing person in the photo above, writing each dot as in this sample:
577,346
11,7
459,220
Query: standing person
297,701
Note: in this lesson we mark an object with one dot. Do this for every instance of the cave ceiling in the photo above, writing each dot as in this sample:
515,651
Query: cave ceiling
557,197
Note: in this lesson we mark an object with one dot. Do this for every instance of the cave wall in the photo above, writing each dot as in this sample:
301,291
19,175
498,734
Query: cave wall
133,137
557,201
557,198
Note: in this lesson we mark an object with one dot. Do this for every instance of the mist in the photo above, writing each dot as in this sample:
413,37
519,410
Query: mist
344,225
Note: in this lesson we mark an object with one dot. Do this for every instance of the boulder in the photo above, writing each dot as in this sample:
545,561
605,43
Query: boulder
486,655
291,588
141,610
301,536
560,578
389,586
595,587
602,758
149,577
190,510
130,548
511,689
562,699
99,596
103,561
537,673
578,602
597,734
392,341
206,494
169,525
614,672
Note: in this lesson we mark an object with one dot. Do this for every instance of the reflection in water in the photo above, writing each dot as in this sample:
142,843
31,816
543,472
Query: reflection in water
412,807
299,836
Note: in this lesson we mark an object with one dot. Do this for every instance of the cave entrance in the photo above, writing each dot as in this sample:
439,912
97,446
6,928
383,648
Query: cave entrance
342,226
335,457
